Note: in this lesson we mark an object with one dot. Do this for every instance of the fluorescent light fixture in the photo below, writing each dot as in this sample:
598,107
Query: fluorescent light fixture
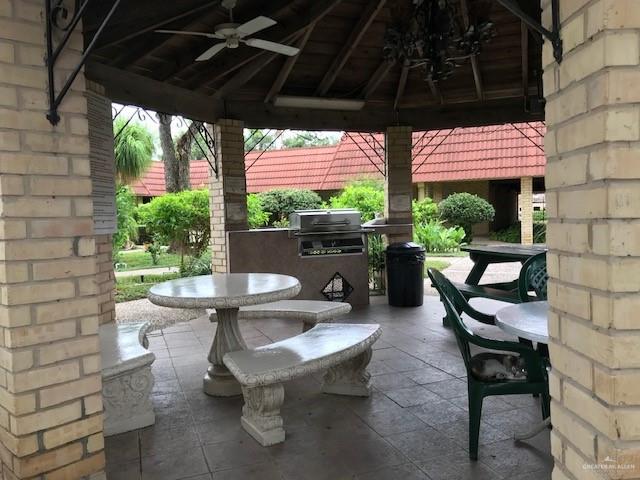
318,103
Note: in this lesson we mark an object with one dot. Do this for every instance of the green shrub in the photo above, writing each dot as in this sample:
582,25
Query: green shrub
539,215
180,219
511,234
197,265
424,210
366,196
466,210
125,212
435,237
256,216
280,203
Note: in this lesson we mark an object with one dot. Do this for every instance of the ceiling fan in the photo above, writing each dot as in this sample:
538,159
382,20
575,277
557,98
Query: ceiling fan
234,34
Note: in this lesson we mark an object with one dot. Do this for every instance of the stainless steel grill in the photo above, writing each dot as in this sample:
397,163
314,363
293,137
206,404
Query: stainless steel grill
328,232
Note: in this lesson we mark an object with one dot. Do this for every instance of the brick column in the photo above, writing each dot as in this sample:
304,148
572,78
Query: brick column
398,187
228,192
50,382
526,210
593,199
106,279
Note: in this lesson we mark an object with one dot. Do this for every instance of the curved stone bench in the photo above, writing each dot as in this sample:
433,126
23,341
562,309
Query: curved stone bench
126,377
343,349
311,312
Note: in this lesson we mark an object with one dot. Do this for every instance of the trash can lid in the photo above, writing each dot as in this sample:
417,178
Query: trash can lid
405,247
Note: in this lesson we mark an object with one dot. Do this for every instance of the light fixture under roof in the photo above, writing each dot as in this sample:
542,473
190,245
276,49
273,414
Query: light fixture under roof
318,103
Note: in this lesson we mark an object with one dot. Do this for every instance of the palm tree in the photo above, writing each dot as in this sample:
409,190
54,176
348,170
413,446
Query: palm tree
133,148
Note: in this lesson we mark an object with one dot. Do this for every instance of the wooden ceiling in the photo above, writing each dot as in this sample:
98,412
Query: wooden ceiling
341,57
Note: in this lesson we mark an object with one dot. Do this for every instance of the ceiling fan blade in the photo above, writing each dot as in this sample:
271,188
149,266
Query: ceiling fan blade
217,48
255,25
272,46
182,32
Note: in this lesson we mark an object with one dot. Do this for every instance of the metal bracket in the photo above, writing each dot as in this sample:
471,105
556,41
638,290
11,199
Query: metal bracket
553,36
206,144
56,14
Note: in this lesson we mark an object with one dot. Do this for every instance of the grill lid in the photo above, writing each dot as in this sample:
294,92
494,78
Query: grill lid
329,220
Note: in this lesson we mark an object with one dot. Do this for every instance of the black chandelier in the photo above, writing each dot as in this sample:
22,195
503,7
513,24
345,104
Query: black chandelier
433,39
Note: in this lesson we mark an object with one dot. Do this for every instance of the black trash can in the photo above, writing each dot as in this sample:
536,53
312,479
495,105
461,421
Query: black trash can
405,274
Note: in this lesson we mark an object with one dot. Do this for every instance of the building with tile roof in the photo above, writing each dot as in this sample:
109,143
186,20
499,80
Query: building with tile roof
488,161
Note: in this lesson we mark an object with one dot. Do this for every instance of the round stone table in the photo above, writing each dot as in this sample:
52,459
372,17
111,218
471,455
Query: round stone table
226,293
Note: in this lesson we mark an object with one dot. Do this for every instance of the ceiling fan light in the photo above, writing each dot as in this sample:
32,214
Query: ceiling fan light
318,103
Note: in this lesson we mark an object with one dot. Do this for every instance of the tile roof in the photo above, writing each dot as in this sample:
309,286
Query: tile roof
476,153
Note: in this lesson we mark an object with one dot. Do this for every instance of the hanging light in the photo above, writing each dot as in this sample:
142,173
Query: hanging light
433,39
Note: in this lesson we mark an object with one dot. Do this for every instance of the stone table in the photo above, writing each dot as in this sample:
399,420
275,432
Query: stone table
226,293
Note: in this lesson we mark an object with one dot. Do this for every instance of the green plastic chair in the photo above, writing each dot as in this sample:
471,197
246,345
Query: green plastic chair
535,381
533,278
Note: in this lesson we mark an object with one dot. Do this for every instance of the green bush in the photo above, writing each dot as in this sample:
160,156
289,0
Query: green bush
180,219
511,234
125,213
280,203
424,210
256,216
366,196
466,210
435,237
539,215
197,265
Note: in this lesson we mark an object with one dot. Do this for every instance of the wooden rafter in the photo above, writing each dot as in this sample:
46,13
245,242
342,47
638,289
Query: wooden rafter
475,64
285,34
435,91
524,31
134,54
402,83
365,20
288,66
118,36
376,78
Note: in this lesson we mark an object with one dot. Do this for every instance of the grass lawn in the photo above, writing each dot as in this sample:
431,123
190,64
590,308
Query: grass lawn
447,254
131,288
435,264
137,259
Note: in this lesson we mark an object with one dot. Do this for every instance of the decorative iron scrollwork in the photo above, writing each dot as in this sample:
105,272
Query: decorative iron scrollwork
57,17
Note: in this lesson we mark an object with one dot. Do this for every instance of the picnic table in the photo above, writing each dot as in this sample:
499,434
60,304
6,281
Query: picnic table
484,255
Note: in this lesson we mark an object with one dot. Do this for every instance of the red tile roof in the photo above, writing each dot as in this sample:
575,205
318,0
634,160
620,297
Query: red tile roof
494,152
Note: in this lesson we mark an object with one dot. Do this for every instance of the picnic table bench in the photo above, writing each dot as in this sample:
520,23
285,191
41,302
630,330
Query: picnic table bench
484,255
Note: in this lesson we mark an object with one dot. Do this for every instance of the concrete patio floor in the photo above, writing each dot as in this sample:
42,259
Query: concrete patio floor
414,426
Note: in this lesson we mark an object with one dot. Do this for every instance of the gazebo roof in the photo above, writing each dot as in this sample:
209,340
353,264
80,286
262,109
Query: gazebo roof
341,58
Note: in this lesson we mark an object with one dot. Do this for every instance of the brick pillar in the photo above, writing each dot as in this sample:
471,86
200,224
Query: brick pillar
50,381
106,279
422,191
593,199
398,186
228,192
526,210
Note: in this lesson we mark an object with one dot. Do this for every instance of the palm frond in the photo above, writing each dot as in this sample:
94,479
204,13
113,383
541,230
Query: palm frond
133,149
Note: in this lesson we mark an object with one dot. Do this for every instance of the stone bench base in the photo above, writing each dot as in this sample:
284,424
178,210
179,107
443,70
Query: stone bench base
127,380
343,350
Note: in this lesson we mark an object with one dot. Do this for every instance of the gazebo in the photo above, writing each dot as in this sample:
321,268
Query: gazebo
62,65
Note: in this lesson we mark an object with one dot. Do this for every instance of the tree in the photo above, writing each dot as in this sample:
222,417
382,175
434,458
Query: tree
132,149
180,219
366,196
307,139
184,148
466,210
281,202
256,139
169,157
